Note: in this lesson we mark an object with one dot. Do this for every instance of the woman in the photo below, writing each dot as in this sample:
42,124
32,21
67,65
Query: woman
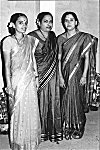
48,92
22,84
77,70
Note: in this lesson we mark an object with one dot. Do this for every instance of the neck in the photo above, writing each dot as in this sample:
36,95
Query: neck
19,36
44,34
71,33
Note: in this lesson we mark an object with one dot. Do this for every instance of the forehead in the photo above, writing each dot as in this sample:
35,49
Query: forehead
22,18
47,17
69,16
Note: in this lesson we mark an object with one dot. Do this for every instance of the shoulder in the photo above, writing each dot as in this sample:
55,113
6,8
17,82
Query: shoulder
32,33
33,40
89,36
7,39
7,43
60,38
53,33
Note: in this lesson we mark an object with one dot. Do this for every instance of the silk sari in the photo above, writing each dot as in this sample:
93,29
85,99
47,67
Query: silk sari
49,99
25,122
74,95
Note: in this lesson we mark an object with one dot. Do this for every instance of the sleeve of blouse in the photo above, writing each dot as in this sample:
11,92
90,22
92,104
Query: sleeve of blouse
6,45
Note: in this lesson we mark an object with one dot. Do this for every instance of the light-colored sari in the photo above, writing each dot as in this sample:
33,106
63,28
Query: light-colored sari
25,123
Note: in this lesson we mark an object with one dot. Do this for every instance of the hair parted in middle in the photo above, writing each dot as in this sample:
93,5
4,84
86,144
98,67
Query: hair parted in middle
13,20
64,16
40,16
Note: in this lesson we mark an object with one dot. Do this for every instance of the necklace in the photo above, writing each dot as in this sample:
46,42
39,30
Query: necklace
19,41
43,35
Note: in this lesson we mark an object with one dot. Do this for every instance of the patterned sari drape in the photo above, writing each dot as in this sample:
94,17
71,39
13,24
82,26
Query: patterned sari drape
46,61
49,96
73,57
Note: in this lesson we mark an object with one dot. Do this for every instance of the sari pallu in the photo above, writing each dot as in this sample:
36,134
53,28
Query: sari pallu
49,100
25,123
76,96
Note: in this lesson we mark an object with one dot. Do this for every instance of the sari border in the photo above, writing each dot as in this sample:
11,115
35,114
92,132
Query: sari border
71,50
77,65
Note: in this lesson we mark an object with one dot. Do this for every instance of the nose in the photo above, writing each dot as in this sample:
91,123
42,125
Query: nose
24,25
68,21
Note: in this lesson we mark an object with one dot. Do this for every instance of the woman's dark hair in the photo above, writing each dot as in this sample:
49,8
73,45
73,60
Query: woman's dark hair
13,19
64,16
40,16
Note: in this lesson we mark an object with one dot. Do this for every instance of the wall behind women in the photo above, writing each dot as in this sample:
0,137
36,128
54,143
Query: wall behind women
87,11
7,8
88,14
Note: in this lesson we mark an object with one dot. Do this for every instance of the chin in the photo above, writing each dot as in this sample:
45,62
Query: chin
48,29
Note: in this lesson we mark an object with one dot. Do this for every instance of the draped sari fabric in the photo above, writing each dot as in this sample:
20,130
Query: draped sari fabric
48,93
75,96
25,122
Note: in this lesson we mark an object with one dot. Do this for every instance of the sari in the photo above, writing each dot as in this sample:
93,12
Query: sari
75,96
48,93
25,122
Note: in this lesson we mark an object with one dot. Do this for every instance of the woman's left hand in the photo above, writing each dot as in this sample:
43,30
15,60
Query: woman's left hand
37,83
83,80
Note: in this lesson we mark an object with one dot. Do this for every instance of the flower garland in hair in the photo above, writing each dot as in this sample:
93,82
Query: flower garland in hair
10,24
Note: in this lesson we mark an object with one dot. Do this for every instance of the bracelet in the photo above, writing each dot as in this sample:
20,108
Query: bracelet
7,89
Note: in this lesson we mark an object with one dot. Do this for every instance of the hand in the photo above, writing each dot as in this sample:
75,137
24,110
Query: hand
11,103
83,80
37,83
9,91
62,82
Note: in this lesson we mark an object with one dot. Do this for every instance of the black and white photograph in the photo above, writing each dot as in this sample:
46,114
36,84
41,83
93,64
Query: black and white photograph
49,75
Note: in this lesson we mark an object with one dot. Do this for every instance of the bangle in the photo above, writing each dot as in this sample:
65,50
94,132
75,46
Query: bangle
36,76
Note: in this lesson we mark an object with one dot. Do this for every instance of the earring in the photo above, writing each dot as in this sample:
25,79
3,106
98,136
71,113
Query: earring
38,22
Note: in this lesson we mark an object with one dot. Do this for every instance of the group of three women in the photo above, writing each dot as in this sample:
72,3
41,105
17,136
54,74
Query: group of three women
48,79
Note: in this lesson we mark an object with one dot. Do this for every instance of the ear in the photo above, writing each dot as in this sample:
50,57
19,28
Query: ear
38,22
76,23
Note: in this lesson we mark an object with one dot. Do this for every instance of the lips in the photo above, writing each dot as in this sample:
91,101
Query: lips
24,29
69,26
48,27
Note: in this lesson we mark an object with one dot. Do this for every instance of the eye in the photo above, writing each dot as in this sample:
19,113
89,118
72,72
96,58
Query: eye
51,21
66,20
71,19
26,23
45,21
20,22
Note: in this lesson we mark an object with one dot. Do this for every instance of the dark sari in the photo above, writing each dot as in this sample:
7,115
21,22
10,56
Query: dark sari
75,97
48,93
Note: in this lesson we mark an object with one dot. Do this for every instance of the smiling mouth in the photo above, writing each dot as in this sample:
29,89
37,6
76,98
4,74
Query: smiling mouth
48,27
69,26
24,29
